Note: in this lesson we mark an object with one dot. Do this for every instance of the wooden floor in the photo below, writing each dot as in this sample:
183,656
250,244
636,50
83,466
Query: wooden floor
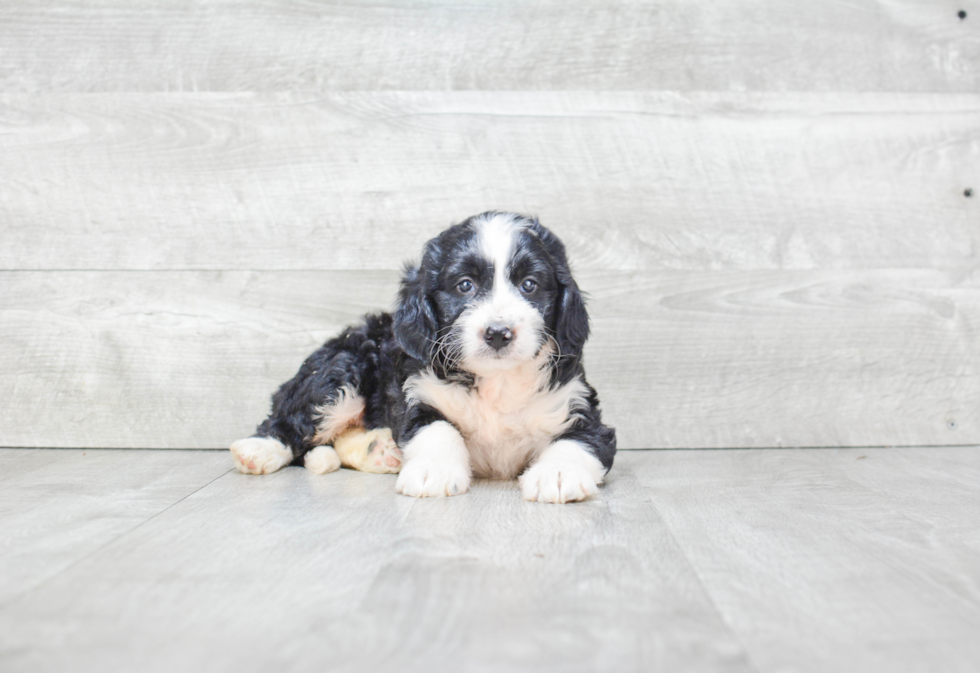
741,560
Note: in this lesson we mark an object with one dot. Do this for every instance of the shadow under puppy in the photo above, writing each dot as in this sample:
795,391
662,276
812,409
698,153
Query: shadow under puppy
477,373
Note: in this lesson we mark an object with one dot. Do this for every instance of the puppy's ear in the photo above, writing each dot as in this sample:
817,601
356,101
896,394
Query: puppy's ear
415,324
572,323
571,319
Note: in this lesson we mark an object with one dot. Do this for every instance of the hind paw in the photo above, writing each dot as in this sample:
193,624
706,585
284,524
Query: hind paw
369,450
321,460
260,455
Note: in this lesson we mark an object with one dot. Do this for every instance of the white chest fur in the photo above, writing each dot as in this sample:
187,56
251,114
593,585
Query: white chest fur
506,418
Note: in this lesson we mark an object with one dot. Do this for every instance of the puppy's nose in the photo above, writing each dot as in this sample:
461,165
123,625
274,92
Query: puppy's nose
498,336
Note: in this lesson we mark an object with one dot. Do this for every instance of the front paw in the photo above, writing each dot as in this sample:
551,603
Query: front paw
435,463
556,480
424,477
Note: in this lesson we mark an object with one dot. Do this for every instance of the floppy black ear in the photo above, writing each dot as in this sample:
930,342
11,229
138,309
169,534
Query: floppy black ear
415,323
572,320
572,324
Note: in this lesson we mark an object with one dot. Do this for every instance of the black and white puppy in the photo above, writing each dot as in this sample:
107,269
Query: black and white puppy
477,373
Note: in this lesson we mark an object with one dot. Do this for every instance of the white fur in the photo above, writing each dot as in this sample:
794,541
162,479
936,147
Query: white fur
506,418
497,239
322,459
335,417
505,305
260,455
436,463
564,472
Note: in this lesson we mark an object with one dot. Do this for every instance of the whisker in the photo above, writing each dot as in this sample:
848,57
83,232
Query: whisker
558,355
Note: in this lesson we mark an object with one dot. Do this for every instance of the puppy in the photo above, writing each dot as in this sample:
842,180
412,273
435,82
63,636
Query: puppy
477,373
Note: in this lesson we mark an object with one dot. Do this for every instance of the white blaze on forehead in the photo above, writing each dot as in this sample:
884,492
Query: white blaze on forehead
498,234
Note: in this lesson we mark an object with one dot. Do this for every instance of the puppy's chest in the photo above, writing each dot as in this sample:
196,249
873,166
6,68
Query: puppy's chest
505,420
499,415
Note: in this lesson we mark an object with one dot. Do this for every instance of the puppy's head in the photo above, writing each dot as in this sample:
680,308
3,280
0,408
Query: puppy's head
489,294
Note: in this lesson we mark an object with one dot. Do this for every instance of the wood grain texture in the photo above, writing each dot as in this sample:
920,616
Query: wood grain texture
790,358
162,359
338,572
14,463
680,359
815,558
60,507
744,560
868,45
631,181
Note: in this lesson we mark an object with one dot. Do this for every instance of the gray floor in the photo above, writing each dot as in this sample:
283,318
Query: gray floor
747,560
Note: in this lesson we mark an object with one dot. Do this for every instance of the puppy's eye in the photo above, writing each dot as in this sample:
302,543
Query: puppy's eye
528,286
465,286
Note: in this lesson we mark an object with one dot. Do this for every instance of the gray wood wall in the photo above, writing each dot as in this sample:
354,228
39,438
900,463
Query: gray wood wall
766,201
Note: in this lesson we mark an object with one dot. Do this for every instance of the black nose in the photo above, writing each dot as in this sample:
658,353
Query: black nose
498,336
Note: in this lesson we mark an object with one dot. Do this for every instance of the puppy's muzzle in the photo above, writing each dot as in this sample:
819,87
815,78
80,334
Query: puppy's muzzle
498,336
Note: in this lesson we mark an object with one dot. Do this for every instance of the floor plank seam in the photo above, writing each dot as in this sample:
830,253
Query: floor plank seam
20,596
746,655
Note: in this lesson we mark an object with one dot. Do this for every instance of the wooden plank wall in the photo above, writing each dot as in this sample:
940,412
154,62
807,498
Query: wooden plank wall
766,201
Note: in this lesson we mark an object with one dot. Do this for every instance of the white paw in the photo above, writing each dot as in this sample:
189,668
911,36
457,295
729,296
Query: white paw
436,463
260,455
424,478
321,460
565,472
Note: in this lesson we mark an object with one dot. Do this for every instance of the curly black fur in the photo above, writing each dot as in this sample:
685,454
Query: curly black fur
377,356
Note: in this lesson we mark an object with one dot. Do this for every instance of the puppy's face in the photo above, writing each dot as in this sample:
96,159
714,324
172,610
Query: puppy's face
498,292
